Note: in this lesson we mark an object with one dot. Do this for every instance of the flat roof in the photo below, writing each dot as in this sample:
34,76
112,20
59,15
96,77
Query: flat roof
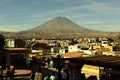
17,49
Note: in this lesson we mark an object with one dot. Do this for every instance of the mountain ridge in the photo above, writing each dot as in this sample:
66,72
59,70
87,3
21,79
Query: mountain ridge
61,27
59,23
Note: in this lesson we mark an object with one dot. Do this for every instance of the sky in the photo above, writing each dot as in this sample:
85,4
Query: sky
20,15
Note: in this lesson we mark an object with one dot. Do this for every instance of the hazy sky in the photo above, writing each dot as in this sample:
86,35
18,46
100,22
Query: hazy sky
18,15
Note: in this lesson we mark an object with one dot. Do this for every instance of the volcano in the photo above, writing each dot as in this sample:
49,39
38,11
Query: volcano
61,27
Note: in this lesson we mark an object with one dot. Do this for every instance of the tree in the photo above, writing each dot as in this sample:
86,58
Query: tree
2,41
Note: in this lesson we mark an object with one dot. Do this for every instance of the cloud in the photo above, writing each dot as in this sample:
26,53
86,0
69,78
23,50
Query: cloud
101,25
93,22
102,7
85,12
90,9
7,29
16,27
64,0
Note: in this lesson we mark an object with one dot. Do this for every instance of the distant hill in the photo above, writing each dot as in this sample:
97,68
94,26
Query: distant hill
61,27
8,34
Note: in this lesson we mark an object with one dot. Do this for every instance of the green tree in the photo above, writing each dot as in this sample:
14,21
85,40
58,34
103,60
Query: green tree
2,41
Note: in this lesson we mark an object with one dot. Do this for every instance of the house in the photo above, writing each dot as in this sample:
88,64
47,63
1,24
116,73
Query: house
104,43
103,48
73,48
42,48
15,43
72,55
9,43
62,51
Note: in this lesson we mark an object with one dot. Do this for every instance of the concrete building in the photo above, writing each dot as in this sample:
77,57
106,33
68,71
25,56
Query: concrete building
104,43
62,51
73,48
10,43
15,43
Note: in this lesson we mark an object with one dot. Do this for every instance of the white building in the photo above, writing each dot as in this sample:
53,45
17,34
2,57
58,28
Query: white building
104,43
62,51
73,48
10,43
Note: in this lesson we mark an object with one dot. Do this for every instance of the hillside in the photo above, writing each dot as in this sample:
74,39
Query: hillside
8,34
59,24
61,27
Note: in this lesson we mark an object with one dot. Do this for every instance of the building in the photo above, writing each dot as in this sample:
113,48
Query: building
10,43
15,43
73,48
103,48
